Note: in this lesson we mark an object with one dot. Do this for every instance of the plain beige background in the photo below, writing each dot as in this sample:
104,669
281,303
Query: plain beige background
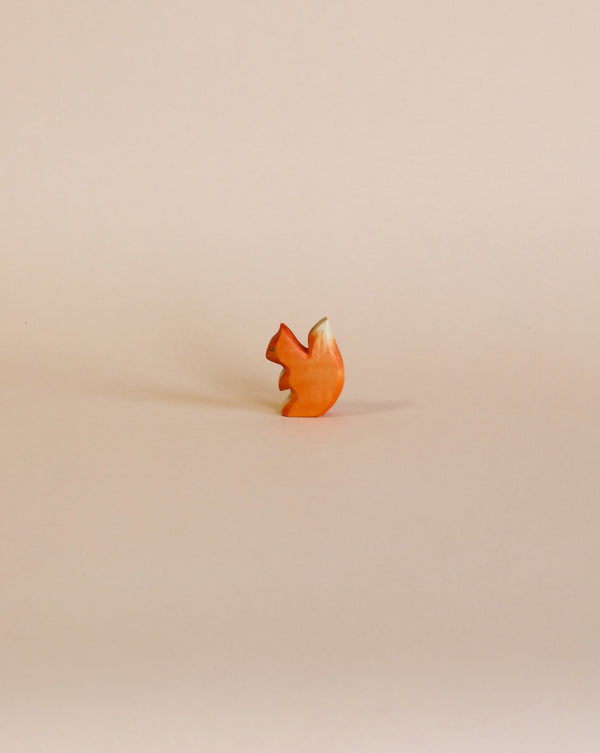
182,569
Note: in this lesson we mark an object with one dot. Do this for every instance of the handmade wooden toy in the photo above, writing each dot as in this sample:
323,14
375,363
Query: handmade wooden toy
314,375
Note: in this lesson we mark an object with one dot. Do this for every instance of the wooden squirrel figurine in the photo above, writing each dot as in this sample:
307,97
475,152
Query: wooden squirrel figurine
315,375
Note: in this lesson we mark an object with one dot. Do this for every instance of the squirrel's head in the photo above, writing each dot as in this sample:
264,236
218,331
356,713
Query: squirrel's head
272,347
282,346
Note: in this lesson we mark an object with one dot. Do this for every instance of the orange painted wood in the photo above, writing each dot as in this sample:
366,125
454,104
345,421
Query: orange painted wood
314,375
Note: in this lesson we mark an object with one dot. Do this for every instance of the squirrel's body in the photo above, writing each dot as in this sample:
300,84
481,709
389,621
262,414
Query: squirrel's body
315,375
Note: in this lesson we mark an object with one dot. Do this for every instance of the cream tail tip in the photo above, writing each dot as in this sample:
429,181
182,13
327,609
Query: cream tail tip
322,329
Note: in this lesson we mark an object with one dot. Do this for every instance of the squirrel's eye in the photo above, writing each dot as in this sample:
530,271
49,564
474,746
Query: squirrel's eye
271,348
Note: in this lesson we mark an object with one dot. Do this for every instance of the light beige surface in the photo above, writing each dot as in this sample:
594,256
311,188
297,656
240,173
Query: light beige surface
181,569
